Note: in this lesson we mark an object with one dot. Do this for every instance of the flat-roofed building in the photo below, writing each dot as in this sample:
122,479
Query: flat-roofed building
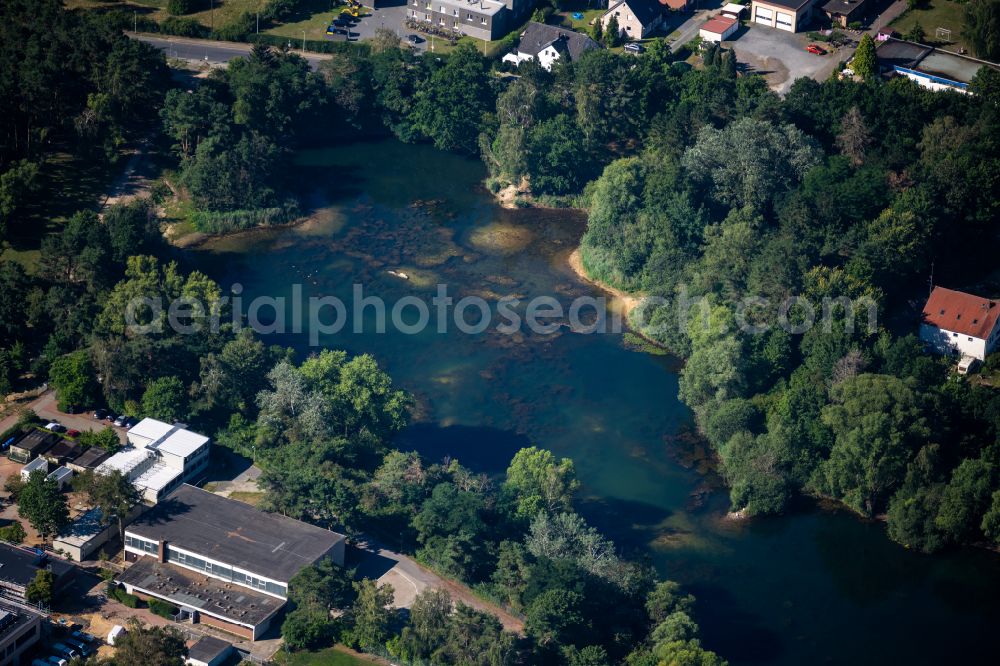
209,651
63,451
718,29
160,458
20,629
88,460
19,566
32,444
931,68
220,561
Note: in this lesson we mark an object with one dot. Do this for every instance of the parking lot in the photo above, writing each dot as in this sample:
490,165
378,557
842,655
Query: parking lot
781,57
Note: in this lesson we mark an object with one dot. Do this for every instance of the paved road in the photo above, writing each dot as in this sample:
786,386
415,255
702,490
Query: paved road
212,52
45,407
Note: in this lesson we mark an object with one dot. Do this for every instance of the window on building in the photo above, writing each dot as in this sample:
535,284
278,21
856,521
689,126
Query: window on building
970,339
142,544
483,21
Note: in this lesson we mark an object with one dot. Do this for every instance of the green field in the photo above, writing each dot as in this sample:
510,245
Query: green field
217,13
936,14
328,657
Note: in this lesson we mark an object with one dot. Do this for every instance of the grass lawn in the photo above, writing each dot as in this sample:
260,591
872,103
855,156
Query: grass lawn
328,657
216,12
580,25
246,497
933,15
312,16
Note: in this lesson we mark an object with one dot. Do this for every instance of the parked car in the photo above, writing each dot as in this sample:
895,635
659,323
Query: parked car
65,651
101,414
83,636
414,39
55,426
57,661
120,421
130,422
72,433
110,417
633,47
79,646
815,50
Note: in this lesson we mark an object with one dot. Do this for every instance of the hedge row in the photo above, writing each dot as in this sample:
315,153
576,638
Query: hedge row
163,609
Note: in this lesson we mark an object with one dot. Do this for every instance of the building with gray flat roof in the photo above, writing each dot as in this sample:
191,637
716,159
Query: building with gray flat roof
232,543
929,67
20,629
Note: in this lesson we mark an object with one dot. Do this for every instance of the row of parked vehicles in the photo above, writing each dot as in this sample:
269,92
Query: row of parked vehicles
79,644
122,421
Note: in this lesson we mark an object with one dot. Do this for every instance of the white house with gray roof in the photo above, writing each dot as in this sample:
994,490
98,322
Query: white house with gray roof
549,43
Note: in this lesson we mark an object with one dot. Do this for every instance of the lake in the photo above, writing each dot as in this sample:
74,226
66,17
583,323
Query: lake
814,586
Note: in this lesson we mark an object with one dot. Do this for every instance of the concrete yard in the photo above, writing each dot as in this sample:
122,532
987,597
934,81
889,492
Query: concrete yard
781,57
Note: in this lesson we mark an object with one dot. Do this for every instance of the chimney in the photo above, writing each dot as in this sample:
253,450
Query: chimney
162,555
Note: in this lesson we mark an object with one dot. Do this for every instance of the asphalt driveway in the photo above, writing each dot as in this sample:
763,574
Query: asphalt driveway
781,57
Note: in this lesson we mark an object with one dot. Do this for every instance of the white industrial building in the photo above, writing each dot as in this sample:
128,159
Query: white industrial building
160,458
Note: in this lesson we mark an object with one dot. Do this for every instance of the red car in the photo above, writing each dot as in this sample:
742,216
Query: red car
815,50
72,433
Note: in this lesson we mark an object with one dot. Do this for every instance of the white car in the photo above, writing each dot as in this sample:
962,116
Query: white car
55,426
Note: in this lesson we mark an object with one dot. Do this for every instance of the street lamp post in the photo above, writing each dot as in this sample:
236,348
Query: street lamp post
303,42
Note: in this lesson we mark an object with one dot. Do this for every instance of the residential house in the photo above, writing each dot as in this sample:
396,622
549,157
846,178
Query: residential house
788,15
958,323
549,43
677,5
221,562
718,28
637,19
845,12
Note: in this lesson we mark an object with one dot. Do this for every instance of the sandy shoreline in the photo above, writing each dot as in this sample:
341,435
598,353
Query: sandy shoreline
621,299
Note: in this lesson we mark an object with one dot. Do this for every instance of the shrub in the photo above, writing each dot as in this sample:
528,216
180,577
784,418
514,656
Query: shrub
163,609
129,600
13,533
242,27
181,7
24,419
183,27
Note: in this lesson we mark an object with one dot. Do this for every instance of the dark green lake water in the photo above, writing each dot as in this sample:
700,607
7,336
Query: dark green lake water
815,586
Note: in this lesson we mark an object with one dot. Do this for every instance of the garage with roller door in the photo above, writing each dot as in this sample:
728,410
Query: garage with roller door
788,15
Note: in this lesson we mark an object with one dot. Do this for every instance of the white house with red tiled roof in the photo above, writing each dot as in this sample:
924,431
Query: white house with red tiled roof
958,323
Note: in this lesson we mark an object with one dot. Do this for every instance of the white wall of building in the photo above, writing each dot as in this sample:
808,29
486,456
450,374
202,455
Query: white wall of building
949,342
